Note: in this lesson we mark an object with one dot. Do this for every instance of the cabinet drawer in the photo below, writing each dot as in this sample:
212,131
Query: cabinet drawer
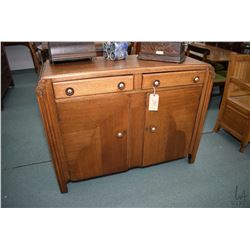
93,86
173,79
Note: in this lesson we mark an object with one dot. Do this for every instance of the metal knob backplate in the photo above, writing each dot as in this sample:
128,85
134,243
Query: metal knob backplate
121,85
196,79
120,134
153,129
156,83
69,91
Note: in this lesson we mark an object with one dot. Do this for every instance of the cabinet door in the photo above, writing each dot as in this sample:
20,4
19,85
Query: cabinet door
168,131
94,131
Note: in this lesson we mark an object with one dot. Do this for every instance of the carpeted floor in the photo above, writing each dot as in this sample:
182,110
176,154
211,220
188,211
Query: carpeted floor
220,176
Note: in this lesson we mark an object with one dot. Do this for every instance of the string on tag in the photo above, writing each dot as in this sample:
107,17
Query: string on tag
154,91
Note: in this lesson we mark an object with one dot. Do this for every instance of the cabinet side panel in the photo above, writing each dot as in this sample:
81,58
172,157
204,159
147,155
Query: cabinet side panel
50,122
201,114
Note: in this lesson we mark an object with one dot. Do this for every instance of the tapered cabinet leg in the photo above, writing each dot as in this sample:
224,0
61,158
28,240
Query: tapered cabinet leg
11,84
243,145
216,127
191,159
63,187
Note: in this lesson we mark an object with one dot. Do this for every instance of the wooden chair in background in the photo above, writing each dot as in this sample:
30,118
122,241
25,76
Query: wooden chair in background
35,57
39,54
234,114
135,48
201,54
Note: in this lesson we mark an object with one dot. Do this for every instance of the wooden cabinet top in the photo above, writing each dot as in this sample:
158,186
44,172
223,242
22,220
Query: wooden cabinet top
100,67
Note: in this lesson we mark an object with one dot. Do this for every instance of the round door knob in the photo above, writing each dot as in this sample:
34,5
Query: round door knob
121,85
119,134
69,91
196,79
153,129
156,83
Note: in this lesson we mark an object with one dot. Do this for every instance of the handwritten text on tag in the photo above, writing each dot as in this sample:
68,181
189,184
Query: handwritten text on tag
153,102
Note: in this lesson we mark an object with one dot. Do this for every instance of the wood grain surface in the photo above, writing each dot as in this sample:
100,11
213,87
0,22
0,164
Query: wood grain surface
234,114
100,129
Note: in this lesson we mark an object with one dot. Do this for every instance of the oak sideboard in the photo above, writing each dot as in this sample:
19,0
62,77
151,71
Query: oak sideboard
97,119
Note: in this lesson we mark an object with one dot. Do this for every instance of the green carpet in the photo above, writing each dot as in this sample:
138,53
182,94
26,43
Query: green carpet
28,178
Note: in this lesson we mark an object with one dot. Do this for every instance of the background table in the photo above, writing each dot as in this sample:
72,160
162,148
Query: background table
216,54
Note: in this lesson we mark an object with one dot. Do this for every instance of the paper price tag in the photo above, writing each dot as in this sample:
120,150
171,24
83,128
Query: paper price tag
153,102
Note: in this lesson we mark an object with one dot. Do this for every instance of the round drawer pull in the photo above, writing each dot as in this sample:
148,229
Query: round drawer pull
121,85
120,134
69,91
196,79
156,83
153,129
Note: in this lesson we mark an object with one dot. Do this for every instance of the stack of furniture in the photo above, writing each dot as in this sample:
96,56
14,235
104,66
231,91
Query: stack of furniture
234,114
